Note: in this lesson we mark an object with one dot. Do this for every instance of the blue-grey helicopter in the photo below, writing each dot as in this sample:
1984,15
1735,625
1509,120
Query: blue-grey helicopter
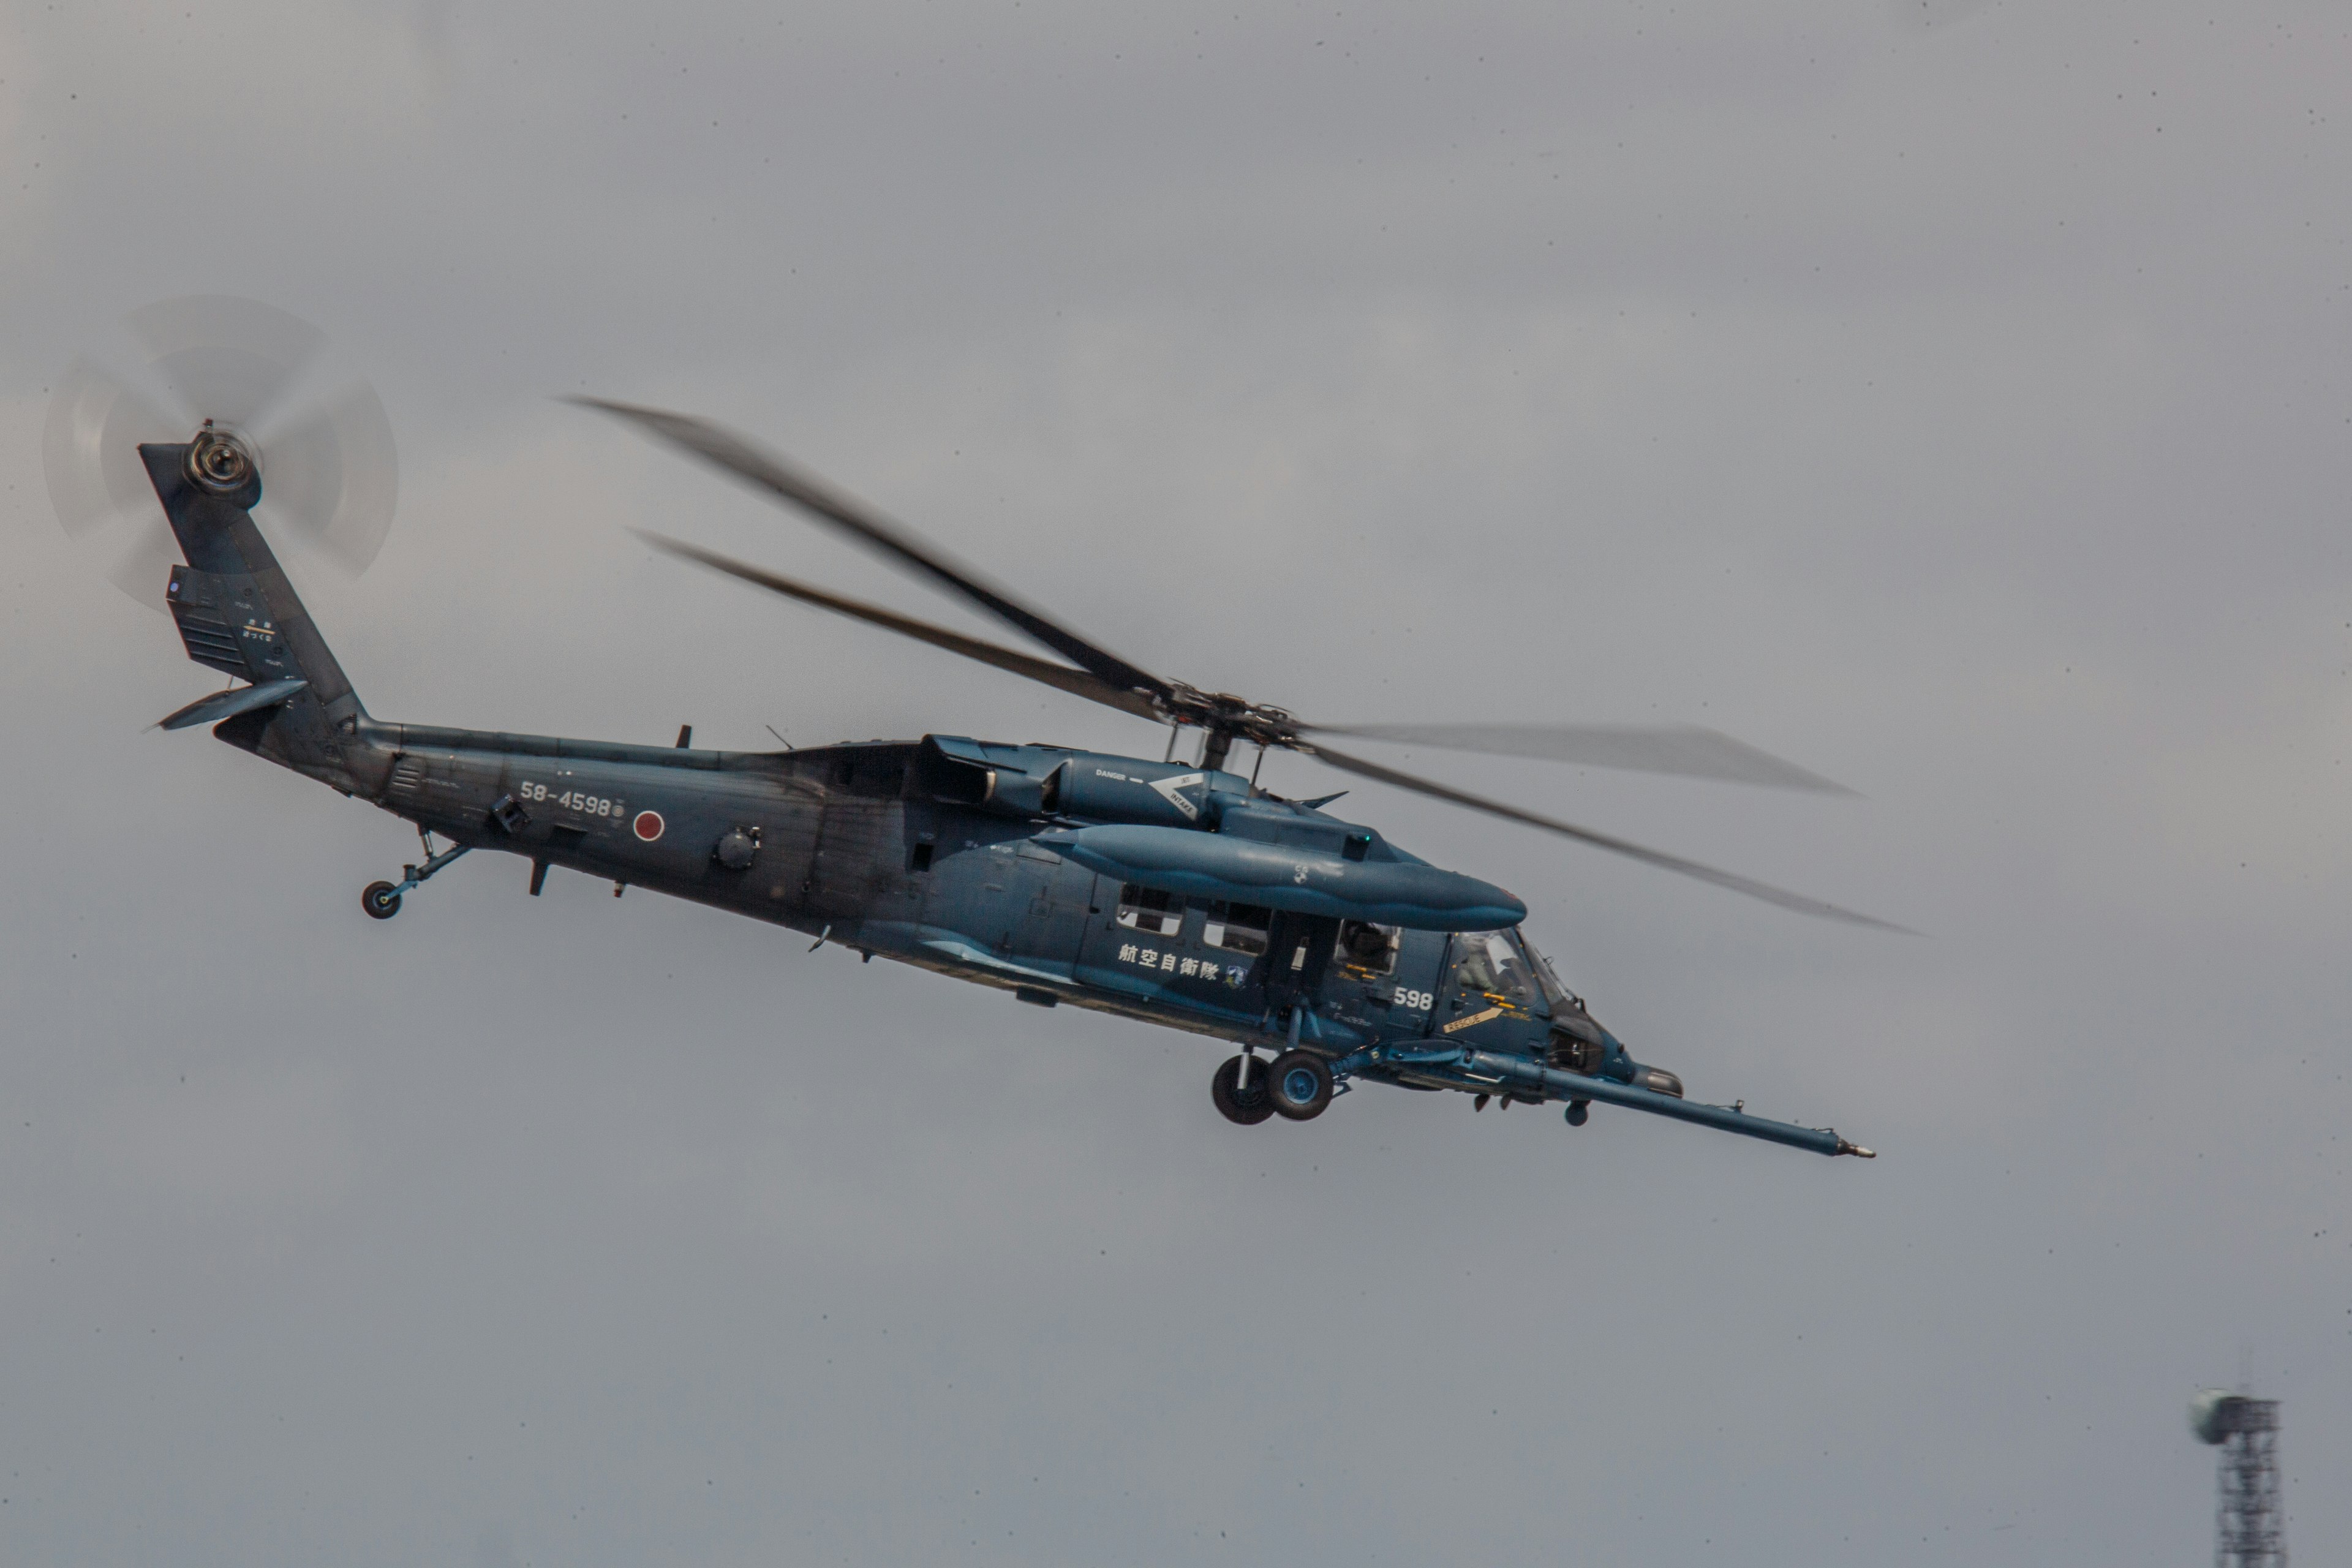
1176,891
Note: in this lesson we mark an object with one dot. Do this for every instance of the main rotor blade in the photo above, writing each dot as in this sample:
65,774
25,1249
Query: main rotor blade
1754,890
769,473
1077,682
1686,751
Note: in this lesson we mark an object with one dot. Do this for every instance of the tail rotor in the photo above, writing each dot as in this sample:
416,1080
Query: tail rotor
252,375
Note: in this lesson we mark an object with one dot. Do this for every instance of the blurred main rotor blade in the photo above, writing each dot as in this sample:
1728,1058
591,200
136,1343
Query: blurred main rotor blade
227,359
1077,682
1686,751
1769,894
769,473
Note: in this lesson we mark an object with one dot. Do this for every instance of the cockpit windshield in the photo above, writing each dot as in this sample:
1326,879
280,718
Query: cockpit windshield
1558,995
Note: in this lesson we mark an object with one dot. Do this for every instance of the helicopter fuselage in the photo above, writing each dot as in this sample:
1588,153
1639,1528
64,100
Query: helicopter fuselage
1174,893
934,853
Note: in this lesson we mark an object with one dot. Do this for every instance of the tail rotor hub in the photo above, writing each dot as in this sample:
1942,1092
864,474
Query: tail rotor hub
219,461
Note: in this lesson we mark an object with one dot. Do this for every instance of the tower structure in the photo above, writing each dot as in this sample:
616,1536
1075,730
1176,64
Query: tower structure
2249,1519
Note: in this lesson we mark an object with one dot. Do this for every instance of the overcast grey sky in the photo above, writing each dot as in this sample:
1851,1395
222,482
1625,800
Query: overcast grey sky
1951,398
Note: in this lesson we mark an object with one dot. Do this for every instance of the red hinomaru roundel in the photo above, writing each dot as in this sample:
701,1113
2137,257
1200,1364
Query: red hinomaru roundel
648,825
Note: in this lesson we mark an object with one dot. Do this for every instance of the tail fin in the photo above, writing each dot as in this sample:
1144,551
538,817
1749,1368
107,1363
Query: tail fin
237,612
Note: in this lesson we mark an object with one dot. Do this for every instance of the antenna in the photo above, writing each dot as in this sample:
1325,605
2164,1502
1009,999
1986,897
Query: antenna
2250,1516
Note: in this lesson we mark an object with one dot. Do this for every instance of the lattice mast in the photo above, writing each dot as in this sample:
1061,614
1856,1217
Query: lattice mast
2250,1516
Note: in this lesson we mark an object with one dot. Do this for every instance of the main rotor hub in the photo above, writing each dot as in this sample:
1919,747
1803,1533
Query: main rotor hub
219,461
1235,718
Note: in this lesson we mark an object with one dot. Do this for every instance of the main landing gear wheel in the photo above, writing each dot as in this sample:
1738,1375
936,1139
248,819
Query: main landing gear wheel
1298,1085
1247,1105
379,900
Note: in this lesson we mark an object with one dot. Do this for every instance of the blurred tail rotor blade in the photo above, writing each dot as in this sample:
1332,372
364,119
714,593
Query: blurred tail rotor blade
145,568
90,450
1664,862
329,469
1685,751
332,474
226,359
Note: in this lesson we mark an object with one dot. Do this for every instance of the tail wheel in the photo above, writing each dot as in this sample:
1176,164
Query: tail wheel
1298,1085
1246,1104
379,900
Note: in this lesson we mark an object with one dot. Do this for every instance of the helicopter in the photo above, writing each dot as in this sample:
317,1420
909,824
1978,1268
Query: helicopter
1176,891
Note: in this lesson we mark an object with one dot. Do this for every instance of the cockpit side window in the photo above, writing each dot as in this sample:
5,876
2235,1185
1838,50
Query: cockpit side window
1487,963
1365,950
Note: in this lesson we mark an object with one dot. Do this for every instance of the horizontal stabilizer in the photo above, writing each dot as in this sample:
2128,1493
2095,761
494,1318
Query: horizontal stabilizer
228,704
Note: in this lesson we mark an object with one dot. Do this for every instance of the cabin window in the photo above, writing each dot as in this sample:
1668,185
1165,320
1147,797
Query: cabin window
1236,928
921,860
1486,963
1366,950
1151,910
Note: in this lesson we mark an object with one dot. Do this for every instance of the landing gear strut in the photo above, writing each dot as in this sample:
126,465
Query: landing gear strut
382,900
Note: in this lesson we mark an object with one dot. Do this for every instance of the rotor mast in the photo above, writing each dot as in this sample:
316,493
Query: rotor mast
1224,719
